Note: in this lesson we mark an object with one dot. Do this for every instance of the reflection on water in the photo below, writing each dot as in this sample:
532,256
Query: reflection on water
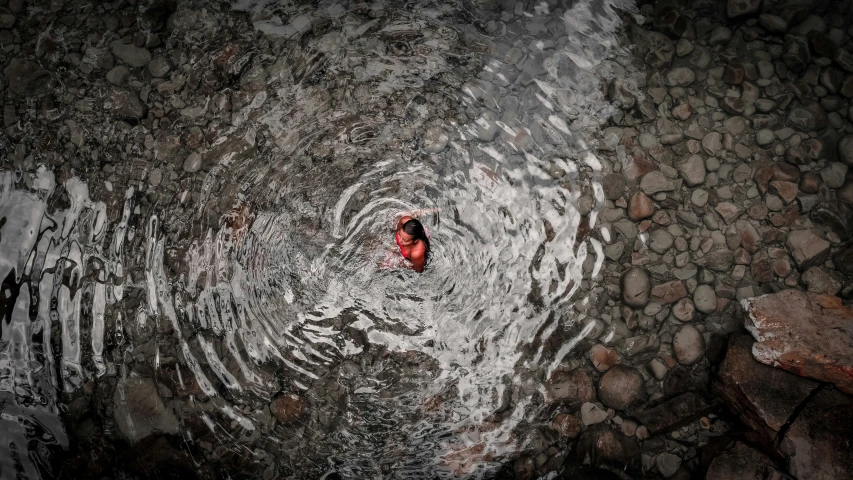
412,376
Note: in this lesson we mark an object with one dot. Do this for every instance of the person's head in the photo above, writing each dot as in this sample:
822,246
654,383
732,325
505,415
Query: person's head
413,230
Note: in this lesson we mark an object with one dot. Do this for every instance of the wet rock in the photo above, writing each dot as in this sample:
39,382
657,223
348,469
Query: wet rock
674,413
692,170
655,182
139,411
796,53
660,241
192,163
764,397
131,54
833,217
570,388
602,358
819,440
720,260
636,287
667,464
669,292
159,66
621,387
661,50
592,414
705,299
819,280
124,104
845,150
26,78
688,345
118,75
739,463
640,207
738,8
712,143
834,174
287,408
807,333
773,23
435,139
729,211
719,36
670,21
733,73
567,426
602,445
680,77
807,248
684,310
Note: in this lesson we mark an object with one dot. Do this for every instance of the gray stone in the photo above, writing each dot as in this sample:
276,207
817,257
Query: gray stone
26,77
719,36
796,53
688,345
680,77
807,248
819,280
660,240
655,182
159,66
773,23
712,142
692,170
705,299
668,463
737,8
592,414
621,387
118,75
139,411
124,104
636,287
834,174
435,139
131,54
192,163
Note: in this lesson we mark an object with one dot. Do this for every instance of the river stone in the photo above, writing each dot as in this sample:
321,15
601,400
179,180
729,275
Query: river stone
737,8
688,345
159,66
819,280
719,36
603,358
592,414
712,142
807,248
26,77
680,77
655,182
118,75
834,174
764,397
435,139
660,240
740,463
807,333
692,170
613,185
705,299
845,150
287,408
640,207
568,426
570,388
772,23
669,292
621,387
124,104
667,464
636,287
131,54
139,411
796,53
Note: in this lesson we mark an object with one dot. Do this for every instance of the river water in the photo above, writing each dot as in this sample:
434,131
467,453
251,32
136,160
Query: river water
275,273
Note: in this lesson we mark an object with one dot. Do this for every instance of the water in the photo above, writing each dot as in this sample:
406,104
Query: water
273,273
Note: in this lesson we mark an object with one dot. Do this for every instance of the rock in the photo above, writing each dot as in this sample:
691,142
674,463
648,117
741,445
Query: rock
819,440
737,8
602,445
139,411
27,78
124,104
692,170
834,174
796,53
719,36
729,211
845,150
739,463
621,387
118,75
807,248
667,464
640,207
833,217
688,345
810,183
287,408
570,388
733,73
592,414
655,182
7,20
568,426
435,139
809,334
131,54
603,358
669,292
764,397
670,21
660,240
720,260
786,190
765,137
660,51
712,143
675,413
159,66
772,23
680,77
636,286
819,280
192,163
705,299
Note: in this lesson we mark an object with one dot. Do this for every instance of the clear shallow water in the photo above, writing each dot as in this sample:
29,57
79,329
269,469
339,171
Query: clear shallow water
267,276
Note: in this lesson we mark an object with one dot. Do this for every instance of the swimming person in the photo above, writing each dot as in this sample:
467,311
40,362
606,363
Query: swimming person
413,239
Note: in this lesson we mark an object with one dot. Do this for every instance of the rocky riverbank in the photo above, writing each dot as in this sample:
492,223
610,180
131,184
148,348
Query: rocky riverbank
726,176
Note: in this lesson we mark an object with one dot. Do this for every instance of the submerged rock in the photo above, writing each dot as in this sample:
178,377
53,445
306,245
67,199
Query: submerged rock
820,441
739,463
139,411
809,334
621,387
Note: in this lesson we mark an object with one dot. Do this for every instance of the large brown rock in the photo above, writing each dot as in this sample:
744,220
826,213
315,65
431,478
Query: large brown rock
570,388
820,441
621,387
739,463
809,334
764,397
287,408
